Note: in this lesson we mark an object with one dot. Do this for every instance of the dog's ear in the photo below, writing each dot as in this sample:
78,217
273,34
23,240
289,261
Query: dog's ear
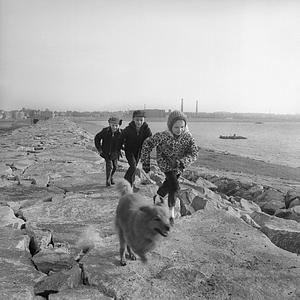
147,210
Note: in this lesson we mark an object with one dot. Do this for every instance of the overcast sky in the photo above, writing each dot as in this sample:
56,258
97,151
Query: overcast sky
86,55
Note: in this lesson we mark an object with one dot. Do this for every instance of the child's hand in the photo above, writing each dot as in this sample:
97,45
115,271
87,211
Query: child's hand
175,163
146,168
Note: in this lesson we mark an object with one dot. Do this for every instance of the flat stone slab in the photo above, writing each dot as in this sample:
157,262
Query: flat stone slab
17,275
58,281
80,293
209,255
14,239
33,193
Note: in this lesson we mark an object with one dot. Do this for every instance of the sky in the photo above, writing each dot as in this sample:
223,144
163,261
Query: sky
95,55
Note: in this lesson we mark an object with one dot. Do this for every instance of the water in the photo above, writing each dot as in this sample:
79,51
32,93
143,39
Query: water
274,142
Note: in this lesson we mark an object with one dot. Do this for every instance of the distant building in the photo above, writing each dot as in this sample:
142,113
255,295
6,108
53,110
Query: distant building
46,114
155,113
8,115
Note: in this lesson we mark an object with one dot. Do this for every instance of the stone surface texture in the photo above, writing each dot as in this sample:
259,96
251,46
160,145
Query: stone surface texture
223,244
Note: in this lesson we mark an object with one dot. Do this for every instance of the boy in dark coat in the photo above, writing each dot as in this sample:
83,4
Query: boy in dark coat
132,138
107,144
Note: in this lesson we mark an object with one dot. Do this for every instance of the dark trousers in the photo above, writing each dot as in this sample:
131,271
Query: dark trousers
170,186
111,167
130,173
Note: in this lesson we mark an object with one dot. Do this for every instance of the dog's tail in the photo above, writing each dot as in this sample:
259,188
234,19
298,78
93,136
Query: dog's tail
88,239
123,187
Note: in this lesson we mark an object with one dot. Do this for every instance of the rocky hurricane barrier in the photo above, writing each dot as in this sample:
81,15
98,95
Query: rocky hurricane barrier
223,246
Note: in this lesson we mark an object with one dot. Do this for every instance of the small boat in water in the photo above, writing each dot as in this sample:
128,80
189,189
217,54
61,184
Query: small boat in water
232,137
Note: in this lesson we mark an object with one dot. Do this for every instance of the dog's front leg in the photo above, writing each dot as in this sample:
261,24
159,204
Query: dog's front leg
143,258
131,254
122,249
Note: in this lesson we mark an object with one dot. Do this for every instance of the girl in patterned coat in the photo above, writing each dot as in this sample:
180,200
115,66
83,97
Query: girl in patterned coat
175,150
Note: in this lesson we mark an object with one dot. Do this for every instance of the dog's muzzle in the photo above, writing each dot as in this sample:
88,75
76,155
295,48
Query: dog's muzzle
164,232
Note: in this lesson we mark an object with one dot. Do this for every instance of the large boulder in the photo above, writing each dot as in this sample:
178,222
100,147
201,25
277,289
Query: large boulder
292,198
248,206
195,177
270,200
53,260
17,273
40,238
283,233
192,199
289,213
8,218
14,239
59,281
79,293
270,207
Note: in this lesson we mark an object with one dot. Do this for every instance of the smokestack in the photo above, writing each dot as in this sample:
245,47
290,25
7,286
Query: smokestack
196,107
181,105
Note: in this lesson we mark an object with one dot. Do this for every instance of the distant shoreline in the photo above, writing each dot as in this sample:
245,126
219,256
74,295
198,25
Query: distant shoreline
258,121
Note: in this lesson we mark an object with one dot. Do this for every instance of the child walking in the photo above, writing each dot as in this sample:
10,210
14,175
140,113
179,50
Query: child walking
132,139
175,150
107,142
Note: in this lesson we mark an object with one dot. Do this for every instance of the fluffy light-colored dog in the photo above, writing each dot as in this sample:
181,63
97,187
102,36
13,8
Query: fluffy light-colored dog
139,223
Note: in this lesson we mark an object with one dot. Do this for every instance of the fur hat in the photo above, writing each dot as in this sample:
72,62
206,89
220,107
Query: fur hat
114,120
175,116
138,113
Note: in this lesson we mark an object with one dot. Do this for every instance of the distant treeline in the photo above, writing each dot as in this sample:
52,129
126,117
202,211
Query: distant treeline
200,116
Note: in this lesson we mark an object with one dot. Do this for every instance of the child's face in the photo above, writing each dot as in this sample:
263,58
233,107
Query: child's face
114,126
178,127
138,121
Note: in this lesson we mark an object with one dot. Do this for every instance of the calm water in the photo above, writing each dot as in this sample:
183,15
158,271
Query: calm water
275,142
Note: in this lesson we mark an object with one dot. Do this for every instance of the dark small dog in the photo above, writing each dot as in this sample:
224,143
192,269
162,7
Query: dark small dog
139,223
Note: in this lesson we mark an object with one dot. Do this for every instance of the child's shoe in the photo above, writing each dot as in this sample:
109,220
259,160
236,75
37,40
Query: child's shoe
171,221
158,199
135,189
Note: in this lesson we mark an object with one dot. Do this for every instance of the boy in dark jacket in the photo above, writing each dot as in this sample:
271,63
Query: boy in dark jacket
107,144
132,138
